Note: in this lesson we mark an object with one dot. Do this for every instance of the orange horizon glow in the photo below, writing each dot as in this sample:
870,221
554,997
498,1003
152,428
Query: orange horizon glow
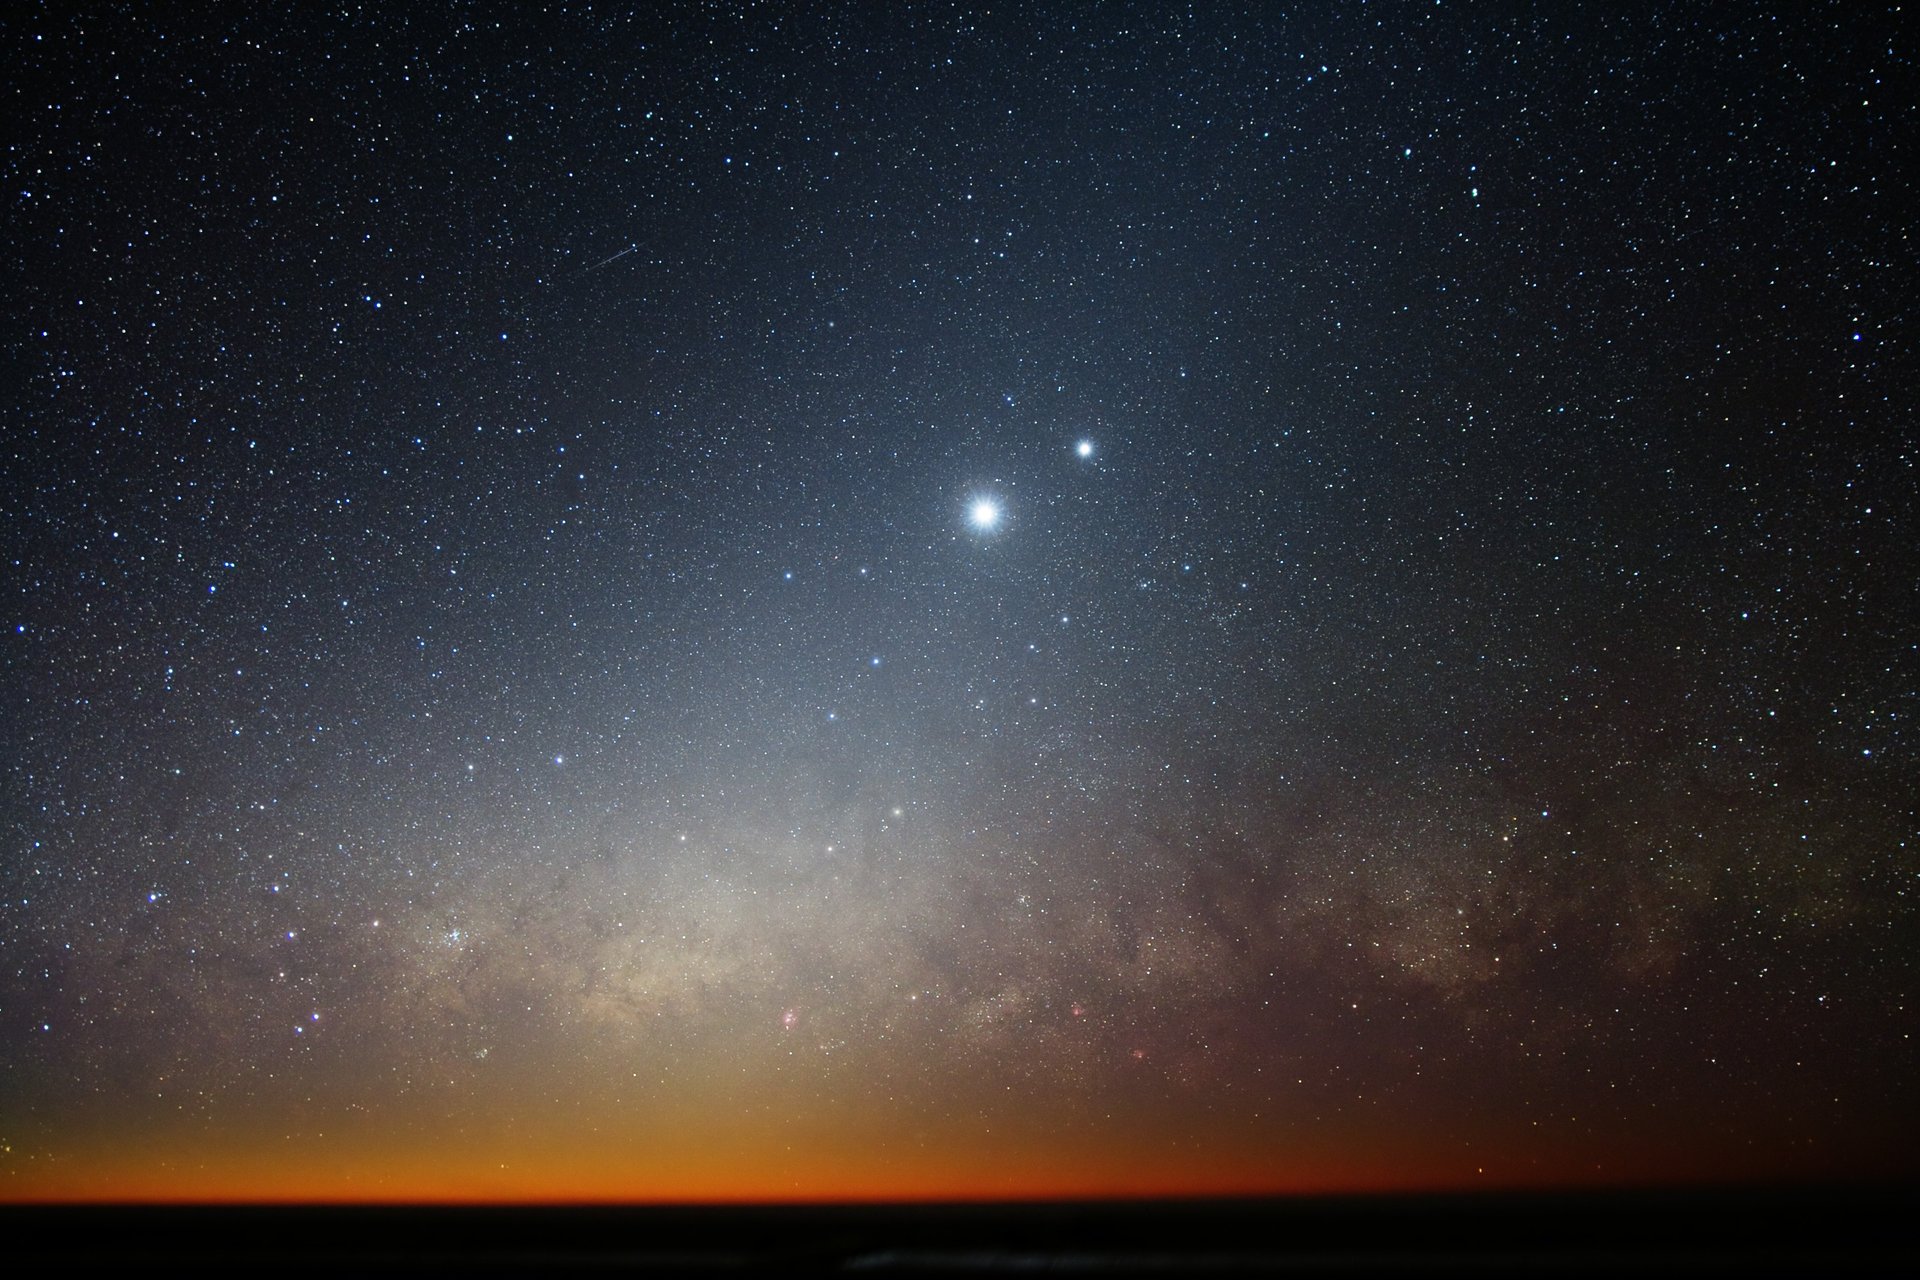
258,1175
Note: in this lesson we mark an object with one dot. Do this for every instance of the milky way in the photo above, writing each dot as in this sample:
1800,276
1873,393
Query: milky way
899,601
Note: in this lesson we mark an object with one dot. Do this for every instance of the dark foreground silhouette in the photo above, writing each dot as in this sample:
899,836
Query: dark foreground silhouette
1868,1230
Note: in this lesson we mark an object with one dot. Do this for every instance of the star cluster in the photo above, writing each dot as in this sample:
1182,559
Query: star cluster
895,600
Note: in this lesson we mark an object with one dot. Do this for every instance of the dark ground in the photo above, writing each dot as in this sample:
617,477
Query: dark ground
1805,1231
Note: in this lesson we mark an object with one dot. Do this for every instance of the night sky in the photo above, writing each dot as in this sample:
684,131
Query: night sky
908,600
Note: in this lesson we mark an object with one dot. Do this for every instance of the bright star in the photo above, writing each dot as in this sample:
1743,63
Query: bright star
1084,448
985,513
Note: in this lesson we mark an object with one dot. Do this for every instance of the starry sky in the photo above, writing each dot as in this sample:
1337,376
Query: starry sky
815,601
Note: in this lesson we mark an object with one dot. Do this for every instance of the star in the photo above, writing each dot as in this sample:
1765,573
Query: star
1084,449
984,513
